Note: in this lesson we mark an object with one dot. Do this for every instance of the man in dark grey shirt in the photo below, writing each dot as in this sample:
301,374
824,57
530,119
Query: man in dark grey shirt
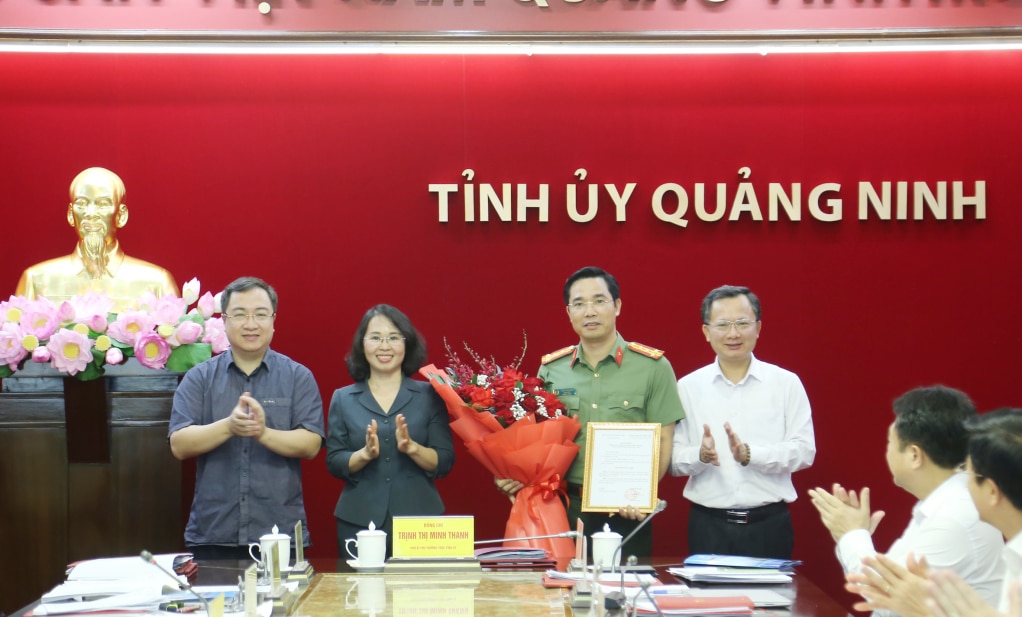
250,415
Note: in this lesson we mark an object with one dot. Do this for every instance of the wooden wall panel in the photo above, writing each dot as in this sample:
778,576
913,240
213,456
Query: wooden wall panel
147,477
119,494
33,497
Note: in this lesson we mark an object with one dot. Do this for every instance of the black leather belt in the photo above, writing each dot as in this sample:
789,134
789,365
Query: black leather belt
744,516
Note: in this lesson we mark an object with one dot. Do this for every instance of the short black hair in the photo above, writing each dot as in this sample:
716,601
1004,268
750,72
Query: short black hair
415,345
592,272
933,418
729,291
995,450
246,283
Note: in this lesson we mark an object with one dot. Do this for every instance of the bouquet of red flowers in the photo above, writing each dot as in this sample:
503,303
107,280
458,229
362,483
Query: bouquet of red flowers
518,430
506,394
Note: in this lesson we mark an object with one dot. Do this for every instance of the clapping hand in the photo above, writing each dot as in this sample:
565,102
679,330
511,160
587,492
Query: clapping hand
405,444
887,585
950,596
707,448
372,447
247,419
843,511
738,448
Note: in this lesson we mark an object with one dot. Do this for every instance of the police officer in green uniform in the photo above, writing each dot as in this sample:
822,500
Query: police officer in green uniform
605,379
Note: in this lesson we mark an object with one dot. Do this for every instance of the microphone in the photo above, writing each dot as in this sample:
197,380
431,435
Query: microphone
563,534
617,599
645,589
661,505
148,558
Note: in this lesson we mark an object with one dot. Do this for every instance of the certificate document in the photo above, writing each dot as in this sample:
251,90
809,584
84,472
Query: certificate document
621,467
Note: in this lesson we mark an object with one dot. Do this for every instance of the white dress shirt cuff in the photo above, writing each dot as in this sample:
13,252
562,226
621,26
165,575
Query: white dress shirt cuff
852,547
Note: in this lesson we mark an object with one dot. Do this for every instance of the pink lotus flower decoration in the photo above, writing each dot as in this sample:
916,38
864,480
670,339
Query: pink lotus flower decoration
216,335
96,323
40,319
11,350
168,310
69,351
81,335
152,350
186,333
129,325
114,356
190,291
91,306
208,306
65,312
16,303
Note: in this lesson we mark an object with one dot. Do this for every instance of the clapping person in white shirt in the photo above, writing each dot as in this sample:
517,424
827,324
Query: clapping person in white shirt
994,470
926,446
748,427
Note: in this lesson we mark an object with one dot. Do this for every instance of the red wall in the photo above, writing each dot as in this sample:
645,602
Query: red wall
312,172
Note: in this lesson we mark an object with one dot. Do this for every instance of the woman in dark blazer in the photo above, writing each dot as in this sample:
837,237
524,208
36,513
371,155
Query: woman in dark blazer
388,436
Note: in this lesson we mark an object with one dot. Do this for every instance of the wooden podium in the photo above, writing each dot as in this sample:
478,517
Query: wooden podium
85,471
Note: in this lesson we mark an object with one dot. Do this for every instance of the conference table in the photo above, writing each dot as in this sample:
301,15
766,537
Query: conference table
338,591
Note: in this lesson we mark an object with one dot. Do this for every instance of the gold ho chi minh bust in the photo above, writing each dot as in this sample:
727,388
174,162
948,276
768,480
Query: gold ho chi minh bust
96,211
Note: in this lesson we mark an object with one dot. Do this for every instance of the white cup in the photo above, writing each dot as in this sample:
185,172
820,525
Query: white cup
370,548
605,544
370,595
279,543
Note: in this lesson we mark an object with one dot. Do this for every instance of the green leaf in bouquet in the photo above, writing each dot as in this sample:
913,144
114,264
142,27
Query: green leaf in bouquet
124,347
187,356
93,370
195,317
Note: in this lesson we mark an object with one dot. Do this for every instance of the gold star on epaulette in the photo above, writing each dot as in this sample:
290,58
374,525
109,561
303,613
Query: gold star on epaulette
649,352
560,353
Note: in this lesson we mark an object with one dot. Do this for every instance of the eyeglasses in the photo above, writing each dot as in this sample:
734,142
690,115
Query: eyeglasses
241,318
724,326
579,306
393,340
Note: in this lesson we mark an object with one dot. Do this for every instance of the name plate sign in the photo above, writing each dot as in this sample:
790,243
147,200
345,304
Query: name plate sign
434,536
434,602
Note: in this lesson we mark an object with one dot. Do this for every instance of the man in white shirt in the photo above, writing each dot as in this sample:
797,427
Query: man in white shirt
995,472
926,446
994,467
759,415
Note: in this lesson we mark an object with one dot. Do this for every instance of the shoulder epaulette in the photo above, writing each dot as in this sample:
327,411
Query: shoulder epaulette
560,353
649,352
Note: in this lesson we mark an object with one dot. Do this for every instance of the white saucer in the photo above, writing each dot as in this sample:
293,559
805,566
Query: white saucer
354,565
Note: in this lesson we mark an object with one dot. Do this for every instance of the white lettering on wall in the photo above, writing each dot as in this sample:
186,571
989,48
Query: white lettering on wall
736,203
926,201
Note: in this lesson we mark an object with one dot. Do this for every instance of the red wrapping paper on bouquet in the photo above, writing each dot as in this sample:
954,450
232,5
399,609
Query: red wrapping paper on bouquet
537,454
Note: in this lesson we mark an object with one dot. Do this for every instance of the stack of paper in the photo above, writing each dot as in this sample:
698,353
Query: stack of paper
741,561
631,579
116,583
735,569
504,552
513,557
120,568
714,574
